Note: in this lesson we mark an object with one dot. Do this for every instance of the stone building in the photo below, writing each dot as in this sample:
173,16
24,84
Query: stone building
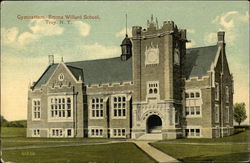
156,89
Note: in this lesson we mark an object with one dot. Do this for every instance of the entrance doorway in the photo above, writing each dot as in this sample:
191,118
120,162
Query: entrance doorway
154,124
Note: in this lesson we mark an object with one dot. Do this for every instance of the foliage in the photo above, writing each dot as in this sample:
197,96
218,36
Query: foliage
18,123
3,121
239,112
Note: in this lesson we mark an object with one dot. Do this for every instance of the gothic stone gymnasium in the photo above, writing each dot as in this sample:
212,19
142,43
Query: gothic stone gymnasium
156,89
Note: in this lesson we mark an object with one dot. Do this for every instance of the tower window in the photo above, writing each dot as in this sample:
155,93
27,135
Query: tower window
153,88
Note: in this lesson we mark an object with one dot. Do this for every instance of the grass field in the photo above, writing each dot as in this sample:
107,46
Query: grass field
202,153
221,149
117,152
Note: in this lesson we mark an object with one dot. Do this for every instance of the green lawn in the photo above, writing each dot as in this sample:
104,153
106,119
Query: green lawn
13,132
222,152
118,152
202,153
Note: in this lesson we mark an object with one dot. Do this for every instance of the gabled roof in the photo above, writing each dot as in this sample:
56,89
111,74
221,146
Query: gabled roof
105,70
95,71
77,72
45,76
198,60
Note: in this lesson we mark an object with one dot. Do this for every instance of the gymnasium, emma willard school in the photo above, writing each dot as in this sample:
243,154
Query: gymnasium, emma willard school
156,89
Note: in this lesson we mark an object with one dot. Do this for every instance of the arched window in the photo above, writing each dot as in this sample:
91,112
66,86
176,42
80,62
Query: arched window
155,91
150,91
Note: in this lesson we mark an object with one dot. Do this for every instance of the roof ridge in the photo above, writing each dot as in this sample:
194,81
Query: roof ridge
92,60
73,67
201,47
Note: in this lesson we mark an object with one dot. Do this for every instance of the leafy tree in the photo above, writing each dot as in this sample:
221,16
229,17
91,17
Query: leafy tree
3,121
239,112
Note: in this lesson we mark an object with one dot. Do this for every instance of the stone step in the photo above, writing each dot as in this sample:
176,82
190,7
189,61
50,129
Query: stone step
151,136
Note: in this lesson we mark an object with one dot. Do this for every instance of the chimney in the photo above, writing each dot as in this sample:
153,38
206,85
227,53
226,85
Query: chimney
221,36
51,59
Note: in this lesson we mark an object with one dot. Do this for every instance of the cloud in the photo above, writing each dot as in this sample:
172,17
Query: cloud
210,38
39,29
9,35
100,51
191,31
82,27
122,33
228,22
190,44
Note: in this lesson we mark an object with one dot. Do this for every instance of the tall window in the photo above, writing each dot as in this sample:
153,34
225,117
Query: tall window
61,107
176,117
36,106
97,107
119,106
227,114
217,91
217,113
227,94
193,103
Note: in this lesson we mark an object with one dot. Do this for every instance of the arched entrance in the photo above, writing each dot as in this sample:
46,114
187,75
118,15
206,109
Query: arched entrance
154,124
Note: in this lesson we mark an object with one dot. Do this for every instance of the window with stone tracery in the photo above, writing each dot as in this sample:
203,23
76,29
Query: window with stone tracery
153,88
119,106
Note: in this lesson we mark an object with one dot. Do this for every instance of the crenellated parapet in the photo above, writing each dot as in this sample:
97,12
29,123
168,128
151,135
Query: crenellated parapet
153,30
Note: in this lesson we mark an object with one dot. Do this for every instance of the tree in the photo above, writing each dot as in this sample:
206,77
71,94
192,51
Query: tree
3,121
239,112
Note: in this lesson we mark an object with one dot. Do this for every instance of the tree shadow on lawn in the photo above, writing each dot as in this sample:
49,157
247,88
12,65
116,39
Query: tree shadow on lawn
227,158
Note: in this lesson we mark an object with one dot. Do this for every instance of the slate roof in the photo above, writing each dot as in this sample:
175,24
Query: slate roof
197,63
198,60
77,72
105,70
45,76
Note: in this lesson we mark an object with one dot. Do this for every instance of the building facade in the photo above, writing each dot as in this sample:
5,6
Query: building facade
156,89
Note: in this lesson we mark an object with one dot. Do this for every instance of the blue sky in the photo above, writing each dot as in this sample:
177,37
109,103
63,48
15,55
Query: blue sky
26,44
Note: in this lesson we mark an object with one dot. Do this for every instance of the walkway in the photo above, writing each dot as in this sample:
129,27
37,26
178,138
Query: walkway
155,153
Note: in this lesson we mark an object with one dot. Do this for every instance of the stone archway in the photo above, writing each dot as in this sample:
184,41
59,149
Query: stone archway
154,124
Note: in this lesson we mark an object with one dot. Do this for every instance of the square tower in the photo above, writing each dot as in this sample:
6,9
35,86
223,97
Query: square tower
158,54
